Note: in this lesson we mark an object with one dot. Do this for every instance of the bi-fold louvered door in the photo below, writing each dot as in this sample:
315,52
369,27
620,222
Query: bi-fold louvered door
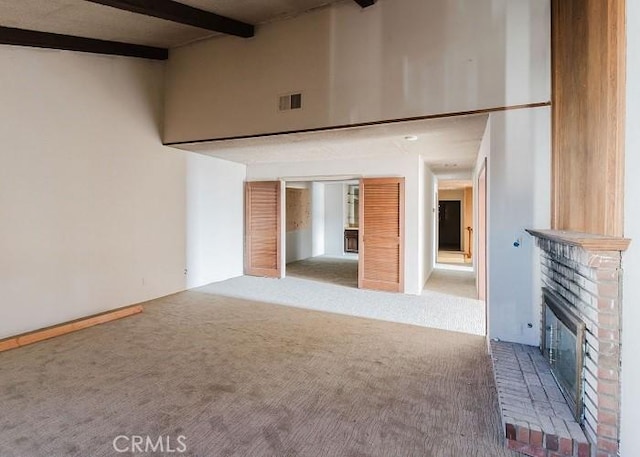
262,228
381,264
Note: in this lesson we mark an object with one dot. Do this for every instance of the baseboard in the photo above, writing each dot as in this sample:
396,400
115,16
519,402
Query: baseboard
46,333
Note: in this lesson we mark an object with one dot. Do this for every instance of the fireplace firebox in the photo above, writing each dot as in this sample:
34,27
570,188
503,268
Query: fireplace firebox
563,343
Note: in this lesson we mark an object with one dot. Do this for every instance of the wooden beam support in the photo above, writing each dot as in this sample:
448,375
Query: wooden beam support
183,14
32,38
365,3
68,327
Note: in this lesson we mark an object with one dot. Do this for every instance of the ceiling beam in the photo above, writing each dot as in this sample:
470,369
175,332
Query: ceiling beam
32,38
365,3
183,14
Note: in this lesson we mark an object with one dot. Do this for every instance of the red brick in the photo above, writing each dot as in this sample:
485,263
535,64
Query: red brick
607,418
584,450
608,289
607,304
608,388
607,274
535,437
607,445
510,431
608,335
609,375
607,402
566,446
527,449
609,345
608,320
522,434
551,442
608,431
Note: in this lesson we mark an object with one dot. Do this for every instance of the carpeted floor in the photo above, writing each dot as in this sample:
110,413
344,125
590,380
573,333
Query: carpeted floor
447,302
454,283
334,270
241,378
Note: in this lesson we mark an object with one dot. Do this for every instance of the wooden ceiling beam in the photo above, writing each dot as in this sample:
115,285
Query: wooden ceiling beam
36,39
183,14
365,3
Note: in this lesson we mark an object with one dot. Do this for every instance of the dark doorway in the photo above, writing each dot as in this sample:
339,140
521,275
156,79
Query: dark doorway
449,238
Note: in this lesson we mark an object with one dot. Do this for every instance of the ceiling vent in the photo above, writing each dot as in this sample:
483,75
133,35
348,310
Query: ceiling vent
290,101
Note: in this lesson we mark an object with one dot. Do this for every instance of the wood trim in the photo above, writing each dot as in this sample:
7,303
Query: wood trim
67,327
586,241
363,124
183,14
617,67
35,39
588,115
555,163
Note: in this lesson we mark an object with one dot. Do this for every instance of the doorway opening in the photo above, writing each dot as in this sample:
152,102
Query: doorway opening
454,225
322,231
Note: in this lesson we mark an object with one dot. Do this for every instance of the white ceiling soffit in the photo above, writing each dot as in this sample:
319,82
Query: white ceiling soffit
444,144
91,20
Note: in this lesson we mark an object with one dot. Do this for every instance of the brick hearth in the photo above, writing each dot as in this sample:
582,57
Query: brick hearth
535,416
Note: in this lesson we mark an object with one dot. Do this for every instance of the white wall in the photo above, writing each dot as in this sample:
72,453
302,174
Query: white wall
334,203
317,218
94,209
214,219
299,242
396,59
408,167
519,194
630,438
427,200
483,152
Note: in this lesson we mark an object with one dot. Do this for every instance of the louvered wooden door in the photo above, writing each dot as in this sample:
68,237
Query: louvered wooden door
262,229
381,262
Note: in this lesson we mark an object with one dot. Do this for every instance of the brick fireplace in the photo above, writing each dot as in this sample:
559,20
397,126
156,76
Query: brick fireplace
584,272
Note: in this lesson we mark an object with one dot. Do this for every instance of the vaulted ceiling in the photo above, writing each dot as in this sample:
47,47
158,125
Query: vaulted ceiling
158,24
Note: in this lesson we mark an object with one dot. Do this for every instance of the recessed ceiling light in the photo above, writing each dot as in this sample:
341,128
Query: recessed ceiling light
411,138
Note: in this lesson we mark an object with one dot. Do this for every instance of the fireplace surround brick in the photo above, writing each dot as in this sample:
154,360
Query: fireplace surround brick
586,271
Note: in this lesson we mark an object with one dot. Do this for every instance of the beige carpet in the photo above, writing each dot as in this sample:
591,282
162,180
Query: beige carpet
238,378
340,271
453,283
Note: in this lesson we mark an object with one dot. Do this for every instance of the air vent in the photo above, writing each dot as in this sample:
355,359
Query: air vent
290,101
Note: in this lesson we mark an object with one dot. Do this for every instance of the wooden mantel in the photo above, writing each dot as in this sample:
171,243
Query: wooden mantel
586,241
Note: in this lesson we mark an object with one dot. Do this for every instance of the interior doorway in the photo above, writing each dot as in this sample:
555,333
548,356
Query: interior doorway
454,223
321,223
318,231
449,220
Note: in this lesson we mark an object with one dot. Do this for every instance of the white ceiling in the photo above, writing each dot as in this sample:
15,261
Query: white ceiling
445,144
91,20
